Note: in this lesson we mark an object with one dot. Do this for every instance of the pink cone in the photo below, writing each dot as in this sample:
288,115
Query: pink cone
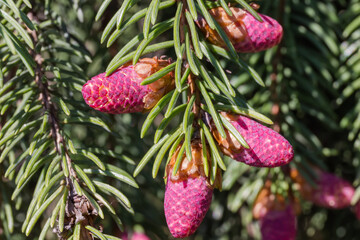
245,32
139,236
185,205
279,225
120,92
332,191
260,35
267,148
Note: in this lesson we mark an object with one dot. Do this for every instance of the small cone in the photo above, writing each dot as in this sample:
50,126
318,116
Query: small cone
186,204
139,236
277,218
279,225
331,191
122,92
188,194
245,32
267,148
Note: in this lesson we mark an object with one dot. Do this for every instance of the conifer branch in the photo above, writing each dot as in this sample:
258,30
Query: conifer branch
275,110
48,105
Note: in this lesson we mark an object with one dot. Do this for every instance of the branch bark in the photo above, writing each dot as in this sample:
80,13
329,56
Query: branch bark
82,211
275,110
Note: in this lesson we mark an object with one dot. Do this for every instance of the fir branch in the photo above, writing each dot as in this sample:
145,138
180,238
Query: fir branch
275,109
48,105
76,208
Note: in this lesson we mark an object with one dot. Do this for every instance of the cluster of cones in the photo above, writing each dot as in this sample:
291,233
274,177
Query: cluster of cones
188,193
189,190
122,92
327,190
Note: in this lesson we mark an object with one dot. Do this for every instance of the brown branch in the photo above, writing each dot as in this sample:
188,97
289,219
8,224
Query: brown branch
193,89
48,104
78,208
275,110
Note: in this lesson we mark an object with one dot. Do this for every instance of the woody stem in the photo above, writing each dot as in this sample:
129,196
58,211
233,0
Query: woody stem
48,105
193,90
275,110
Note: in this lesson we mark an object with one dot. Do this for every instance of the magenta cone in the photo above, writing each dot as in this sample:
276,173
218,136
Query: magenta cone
139,236
245,32
279,225
185,205
332,191
267,148
120,92
260,35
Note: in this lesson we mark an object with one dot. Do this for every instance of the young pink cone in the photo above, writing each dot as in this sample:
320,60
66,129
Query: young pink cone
139,236
331,191
245,32
121,92
277,217
267,148
188,194
279,225
186,204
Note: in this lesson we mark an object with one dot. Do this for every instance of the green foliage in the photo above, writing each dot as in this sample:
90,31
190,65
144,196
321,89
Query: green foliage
42,153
